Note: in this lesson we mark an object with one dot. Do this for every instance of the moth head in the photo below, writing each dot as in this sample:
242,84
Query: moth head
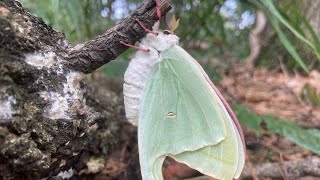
174,26
167,32
163,39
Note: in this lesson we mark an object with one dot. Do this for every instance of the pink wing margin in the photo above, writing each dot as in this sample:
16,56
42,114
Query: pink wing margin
226,105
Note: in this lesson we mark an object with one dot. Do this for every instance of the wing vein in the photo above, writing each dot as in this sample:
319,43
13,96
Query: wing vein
193,138
193,97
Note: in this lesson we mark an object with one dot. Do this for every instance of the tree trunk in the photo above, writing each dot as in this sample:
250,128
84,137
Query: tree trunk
310,9
50,120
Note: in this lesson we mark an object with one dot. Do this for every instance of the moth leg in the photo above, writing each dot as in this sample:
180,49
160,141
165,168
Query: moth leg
159,14
134,47
158,10
146,29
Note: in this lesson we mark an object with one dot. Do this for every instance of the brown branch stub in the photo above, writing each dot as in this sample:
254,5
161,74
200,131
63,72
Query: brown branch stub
298,168
294,169
93,54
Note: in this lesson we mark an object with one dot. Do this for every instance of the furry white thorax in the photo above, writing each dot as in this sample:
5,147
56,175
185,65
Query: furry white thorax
137,73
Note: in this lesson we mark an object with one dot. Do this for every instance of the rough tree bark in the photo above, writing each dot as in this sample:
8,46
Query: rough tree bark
50,120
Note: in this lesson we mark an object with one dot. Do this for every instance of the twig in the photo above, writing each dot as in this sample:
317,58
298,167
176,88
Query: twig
298,168
284,172
252,171
93,54
294,169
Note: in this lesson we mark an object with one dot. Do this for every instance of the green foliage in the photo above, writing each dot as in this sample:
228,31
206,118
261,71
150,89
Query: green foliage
275,18
79,20
290,19
248,118
288,45
306,138
219,24
115,68
312,95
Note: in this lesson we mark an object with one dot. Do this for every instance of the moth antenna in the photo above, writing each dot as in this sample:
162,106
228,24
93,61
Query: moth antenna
158,10
146,29
134,47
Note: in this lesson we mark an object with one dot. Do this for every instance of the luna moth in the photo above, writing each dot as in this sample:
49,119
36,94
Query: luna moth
179,112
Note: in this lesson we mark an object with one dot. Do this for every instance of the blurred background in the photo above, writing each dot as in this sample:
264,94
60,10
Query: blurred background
262,54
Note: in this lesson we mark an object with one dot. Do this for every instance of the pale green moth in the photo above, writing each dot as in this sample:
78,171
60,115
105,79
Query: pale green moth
179,112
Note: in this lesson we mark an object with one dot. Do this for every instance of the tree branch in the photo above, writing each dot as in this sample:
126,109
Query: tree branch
93,54
290,169
293,169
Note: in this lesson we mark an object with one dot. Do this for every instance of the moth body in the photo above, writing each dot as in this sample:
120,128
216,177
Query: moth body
137,73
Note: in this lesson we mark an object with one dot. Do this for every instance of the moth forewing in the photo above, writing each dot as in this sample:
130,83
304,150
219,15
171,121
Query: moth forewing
225,104
235,123
186,70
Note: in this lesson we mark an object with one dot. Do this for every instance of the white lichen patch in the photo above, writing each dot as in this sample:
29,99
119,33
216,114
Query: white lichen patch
40,60
59,105
66,174
95,165
60,102
72,87
63,42
6,110
20,25
18,28
59,68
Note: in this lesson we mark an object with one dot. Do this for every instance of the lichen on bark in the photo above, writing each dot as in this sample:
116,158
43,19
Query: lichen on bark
51,120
